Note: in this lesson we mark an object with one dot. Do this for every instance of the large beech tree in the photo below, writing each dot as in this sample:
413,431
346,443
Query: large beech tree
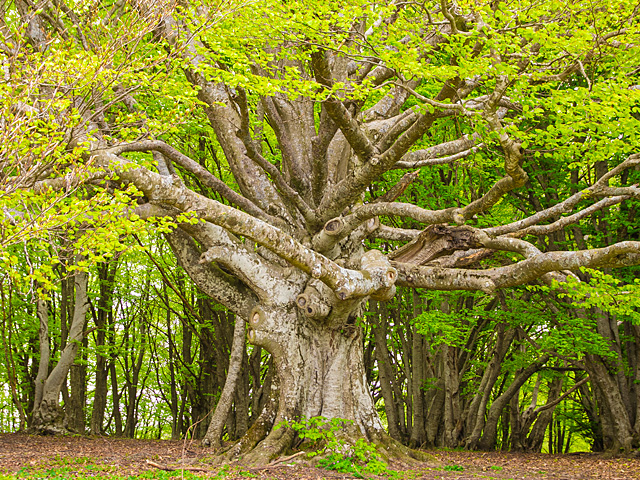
311,104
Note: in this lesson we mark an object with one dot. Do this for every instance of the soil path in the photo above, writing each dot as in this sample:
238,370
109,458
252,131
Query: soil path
22,454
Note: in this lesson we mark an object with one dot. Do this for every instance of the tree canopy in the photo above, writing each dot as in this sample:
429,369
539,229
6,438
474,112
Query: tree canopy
303,158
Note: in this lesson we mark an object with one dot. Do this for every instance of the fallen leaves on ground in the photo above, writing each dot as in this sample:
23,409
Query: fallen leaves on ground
24,456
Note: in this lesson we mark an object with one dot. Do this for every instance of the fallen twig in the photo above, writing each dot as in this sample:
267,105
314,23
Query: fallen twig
276,463
167,468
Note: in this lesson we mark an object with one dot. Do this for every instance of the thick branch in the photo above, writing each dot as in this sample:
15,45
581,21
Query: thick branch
289,194
349,189
161,190
350,128
371,210
442,153
569,204
224,288
434,242
434,278
513,153
206,177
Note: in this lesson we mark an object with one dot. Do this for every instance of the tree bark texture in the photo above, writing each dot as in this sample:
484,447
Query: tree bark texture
48,415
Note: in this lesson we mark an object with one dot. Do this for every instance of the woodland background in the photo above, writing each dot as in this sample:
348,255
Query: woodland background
547,369
155,352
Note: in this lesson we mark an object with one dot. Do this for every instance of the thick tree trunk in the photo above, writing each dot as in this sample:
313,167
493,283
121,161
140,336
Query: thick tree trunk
320,371
616,425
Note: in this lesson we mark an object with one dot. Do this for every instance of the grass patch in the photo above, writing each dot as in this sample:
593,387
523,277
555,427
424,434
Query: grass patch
99,472
453,468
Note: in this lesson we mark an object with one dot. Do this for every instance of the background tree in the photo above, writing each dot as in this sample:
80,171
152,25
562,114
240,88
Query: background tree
311,107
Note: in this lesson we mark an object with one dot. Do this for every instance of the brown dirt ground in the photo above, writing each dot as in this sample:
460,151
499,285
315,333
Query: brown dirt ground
131,457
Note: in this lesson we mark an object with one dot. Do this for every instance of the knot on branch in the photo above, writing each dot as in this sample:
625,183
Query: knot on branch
256,325
436,241
312,302
328,237
382,274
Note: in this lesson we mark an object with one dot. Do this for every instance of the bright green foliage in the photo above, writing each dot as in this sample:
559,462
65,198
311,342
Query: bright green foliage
359,459
605,292
453,468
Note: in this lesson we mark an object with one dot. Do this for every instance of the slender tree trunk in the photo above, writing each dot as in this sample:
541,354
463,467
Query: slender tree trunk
203,404
452,415
489,434
115,398
214,433
48,416
418,434
535,439
102,317
173,387
477,409
385,374
132,383
75,410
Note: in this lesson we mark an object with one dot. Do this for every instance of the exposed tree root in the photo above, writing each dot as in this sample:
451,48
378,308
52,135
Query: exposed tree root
276,443
258,450
392,451
258,432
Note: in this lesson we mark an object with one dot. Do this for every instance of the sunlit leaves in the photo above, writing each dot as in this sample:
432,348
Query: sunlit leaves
606,293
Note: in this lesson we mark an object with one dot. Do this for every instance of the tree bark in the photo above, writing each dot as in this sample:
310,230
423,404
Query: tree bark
320,370
214,433
418,433
48,415
477,409
103,315
489,434
385,374
616,423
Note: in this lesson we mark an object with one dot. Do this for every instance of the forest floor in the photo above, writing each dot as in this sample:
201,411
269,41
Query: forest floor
30,457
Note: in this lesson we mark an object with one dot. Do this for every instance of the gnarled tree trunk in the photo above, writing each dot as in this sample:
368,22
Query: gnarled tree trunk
320,370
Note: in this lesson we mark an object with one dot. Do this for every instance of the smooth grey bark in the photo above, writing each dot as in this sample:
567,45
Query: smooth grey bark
214,432
48,415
